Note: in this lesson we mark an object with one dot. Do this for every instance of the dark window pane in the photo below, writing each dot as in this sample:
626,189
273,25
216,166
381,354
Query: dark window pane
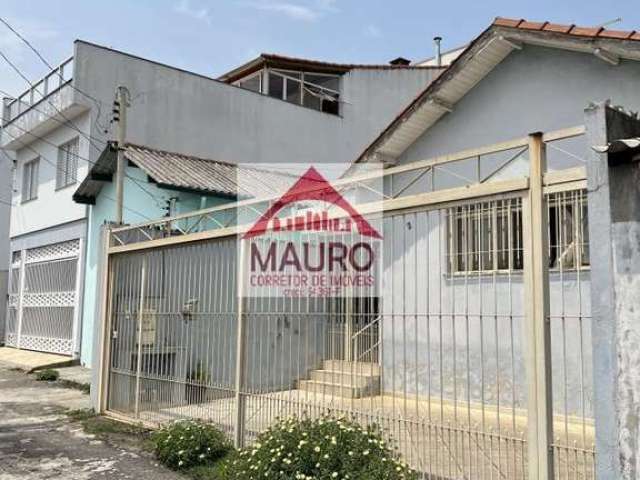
293,91
252,83
323,81
276,86
311,100
331,106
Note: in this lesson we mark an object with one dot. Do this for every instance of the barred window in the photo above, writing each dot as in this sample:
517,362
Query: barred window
568,230
30,180
67,169
487,236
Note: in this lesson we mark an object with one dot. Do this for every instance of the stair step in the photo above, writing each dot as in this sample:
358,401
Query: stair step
346,379
360,368
334,389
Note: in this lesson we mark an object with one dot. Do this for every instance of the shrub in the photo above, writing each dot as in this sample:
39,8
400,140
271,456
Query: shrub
47,375
188,443
323,448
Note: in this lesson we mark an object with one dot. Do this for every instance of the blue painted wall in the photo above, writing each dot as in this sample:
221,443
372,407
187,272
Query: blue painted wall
143,201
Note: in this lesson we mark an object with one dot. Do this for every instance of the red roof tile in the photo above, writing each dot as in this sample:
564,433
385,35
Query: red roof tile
531,25
574,30
556,27
507,22
617,34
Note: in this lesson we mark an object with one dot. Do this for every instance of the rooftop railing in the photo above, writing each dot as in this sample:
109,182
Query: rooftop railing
50,83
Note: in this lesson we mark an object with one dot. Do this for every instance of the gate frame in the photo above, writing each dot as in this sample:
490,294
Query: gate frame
532,190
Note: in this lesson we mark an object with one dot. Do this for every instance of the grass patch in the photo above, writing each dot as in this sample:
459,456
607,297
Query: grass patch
83,387
110,430
206,472
47,375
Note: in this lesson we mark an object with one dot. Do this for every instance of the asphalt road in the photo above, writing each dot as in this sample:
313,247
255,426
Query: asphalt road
38,440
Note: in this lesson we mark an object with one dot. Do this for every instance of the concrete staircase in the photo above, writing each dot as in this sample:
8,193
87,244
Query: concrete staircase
341,378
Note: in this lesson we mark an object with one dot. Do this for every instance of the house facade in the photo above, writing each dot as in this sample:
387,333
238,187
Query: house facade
477,353
58,129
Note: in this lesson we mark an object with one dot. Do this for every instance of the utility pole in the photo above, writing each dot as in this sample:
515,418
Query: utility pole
120,105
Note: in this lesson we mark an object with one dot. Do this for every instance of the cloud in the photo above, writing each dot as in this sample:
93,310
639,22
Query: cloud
202,14
372,31
309,11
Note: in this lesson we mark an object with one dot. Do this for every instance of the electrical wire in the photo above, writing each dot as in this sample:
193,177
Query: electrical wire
90,162
97,102
68,120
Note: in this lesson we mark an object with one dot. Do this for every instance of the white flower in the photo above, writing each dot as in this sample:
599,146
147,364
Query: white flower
366,452
201,456
180,452
180,463
316,449
334,474
351,454
318,465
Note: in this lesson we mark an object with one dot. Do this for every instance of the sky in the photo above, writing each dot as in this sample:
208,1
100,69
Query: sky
211,37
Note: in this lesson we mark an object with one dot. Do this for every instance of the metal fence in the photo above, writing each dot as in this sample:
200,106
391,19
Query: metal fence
473,356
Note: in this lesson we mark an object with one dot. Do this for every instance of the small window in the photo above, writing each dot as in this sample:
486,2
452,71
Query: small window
486,237
568,231
67,168
276,86
30,180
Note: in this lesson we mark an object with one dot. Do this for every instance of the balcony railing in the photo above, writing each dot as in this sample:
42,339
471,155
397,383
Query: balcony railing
53,81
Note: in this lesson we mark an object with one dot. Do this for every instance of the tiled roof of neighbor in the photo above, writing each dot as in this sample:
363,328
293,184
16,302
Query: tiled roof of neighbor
573,30
185,172
284,61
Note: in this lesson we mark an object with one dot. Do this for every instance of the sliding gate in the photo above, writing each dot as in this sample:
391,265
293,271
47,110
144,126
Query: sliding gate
473,356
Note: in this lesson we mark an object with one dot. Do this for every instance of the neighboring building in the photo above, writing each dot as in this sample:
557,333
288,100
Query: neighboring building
173,184
60,127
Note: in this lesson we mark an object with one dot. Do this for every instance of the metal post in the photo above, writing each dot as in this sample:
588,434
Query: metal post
120,112
240,350
143,274
77,314
104,343
21,281
538,354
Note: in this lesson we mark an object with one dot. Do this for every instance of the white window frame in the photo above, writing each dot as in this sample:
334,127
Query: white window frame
30,174
282,73
67,165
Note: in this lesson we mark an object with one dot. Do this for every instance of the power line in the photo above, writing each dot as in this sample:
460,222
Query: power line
68,121
90,162
43,60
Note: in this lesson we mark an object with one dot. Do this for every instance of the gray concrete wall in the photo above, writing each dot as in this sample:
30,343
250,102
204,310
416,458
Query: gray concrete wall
179,111
614,204
535,89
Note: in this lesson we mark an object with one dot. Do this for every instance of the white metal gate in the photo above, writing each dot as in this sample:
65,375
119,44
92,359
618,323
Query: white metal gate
43,298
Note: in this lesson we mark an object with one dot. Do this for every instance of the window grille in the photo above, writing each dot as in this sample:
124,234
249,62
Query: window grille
67,168
30,180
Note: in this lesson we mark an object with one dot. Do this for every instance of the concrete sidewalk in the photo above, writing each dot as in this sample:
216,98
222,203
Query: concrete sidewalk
39,441
30,361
